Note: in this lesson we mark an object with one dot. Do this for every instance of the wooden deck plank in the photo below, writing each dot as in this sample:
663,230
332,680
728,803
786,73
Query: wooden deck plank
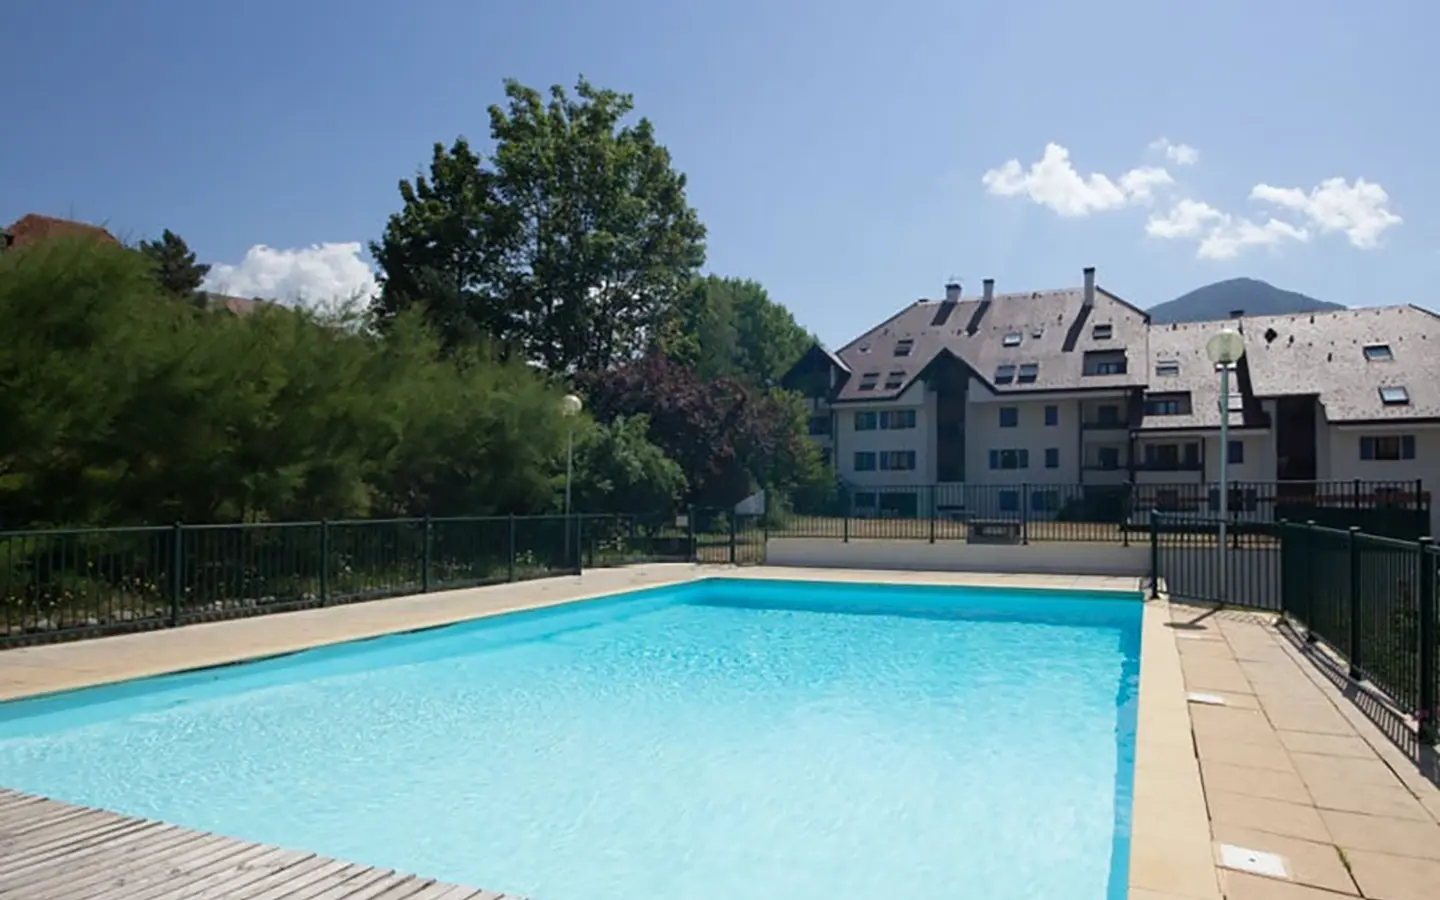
297,884
121,856
56,851
228,859
229,875
134,876
77,846
360,889
101,856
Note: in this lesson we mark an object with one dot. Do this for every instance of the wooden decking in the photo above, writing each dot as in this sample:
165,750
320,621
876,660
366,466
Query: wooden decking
55,851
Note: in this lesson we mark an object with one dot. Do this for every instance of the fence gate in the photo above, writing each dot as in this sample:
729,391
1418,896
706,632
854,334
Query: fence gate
1186,555
725,537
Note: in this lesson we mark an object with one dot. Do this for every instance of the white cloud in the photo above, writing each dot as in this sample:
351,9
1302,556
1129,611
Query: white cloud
1179,154
318,273
1053,182
1221,235
1359,209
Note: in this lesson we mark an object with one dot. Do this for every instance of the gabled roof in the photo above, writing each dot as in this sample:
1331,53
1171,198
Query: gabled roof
1183,345
1324,353
34,228
1049,329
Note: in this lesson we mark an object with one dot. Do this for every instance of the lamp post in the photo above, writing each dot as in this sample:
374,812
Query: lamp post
570,407
1225,350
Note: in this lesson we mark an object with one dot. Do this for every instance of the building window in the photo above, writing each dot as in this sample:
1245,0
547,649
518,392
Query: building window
819,426
894,380
1009,416
1052,457
1109,458
1172,457
1045,501
1167,405
865,421
1052,415
864,461
1104,362
1009,459
1167,367
1109,415
1009,501
904,346
897,419
897,461
1235,455
1102,332
1378,353
1029,372
1004,374
1011,339
868,380
1394,396
1388,447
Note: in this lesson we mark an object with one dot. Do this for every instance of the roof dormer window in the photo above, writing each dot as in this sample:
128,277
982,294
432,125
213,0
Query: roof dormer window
1004,374
904,346
1378,353
868,380
1103,331
1167,367
1396,395
1011,339
1028,372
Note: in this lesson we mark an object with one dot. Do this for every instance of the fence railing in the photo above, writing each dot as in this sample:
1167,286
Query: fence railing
65,583
1371,599
1117,513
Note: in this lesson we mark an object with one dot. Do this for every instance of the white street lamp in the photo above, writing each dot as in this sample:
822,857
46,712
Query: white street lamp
570,406
1225,349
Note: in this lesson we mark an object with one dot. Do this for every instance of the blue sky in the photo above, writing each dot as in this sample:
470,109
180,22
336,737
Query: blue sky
837,151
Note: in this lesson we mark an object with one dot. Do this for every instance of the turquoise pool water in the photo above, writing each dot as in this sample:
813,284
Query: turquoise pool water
722,739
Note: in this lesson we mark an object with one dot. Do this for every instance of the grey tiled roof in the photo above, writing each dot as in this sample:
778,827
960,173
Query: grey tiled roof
1053,334
1323,353
1184,344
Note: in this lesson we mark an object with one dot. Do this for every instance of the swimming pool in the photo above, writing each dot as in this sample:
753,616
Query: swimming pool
722,738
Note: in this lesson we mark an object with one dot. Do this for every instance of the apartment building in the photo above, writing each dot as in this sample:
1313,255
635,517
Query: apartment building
1075,388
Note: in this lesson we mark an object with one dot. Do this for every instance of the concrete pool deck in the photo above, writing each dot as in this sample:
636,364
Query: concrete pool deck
1286,766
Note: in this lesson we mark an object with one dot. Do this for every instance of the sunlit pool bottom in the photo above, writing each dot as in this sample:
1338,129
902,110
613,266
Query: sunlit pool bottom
721,739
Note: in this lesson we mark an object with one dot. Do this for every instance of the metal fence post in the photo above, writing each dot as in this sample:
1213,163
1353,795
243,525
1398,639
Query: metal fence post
510,563
1154,554
732,516
1025,513
177,570
1429,659
324,561
932,513
1309,583
1353,555
690,536
846,521
425,558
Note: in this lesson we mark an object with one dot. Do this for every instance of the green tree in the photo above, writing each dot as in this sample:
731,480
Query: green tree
174,264
618,469
730,328
573,246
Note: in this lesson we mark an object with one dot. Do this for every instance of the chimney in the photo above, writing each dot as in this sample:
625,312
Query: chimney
1089,285
952,290
989,289
1237,313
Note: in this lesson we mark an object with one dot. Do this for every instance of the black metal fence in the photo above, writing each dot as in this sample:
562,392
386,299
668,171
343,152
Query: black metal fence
1371,599
67,583
1116,513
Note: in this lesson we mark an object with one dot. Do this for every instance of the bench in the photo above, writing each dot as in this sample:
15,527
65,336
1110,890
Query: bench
993,531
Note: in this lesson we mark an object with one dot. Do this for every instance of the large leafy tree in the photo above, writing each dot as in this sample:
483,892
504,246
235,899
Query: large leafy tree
618,469
730,328
174,265
573,243
728,440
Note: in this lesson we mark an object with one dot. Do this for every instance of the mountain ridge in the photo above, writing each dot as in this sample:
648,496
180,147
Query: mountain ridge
1221,299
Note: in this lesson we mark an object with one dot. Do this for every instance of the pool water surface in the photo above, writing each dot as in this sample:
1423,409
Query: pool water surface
725,738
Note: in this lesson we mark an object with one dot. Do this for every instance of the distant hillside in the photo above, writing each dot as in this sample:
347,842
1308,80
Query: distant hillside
1218,300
